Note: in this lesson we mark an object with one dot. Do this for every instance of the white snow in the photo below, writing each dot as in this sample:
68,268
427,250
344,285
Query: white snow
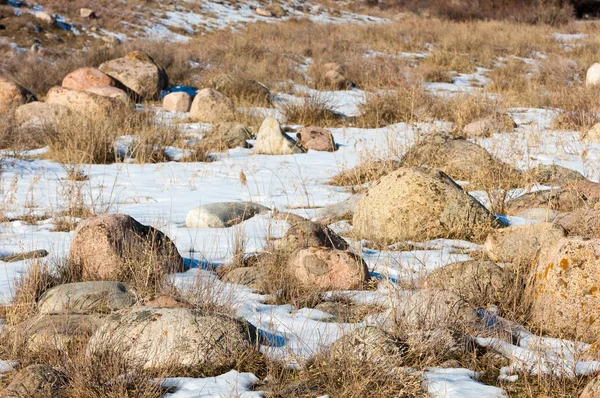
458,383
230,384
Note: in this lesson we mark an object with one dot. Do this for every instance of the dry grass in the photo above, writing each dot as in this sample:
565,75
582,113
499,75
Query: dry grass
404,104
311,111
367,171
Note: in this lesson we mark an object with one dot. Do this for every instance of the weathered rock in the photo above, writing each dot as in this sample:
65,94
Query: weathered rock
564,289
273,10
58,332
417,204
165,300
431,309
222,215
87,13
161,337
336,80
583,222
12,258
241,89
112,92
316,138
139,73
253,277
83,102
227,135
84,78
346,312
339,211
483,128
538,214
367,344
561,200
587,189
593,134
552,175
307,233
592,77
177,102
12,95
328,269
40,114
86,298
462,160
210,106
271,140
35,381
105,246
45,17
476,281
520,244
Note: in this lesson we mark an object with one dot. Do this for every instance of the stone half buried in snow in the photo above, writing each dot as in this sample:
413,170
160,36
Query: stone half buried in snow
316,138
483,128
328,269
271,140
86,297
162,337
414,203
222,215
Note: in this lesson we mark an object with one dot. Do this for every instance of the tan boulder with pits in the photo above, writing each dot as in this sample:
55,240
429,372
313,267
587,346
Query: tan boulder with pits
84,78
210,106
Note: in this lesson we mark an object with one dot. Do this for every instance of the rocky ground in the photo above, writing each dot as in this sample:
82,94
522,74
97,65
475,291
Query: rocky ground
396,206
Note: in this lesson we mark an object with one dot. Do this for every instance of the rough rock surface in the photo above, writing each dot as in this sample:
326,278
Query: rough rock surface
271,140
85,298
222,215
307,233
483,128
227,135
417,204
103,246
210,106
253,277
328,269
84,78
161,337
35,381
83,102
177,102
367,344
40,114
552,175
564,289
139,73
13,95
316,138
583,222
521,243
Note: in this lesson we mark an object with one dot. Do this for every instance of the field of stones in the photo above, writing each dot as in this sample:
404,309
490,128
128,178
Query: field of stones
299,200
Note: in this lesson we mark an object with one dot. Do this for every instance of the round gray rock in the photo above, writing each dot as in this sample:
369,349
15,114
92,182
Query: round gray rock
222,215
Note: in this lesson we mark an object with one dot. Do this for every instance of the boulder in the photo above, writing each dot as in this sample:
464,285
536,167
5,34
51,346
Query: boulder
346,312
307,233
478,282
105,247
222,215
162,337
462,160
86,298
560,200
12,95
273,10
45,17
484,128
271,140
582,222
165,300
592,389
339,211
241,89
586,189
552,175
592,77
177,102
538,214
367,344
520,244
336,80
210,106
35,381
40,114
419,204
253,277
83,102
428,309
112,92
316,138
139,73
58,332
14,257
564,289
84,78
87,13
328,269
227,135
